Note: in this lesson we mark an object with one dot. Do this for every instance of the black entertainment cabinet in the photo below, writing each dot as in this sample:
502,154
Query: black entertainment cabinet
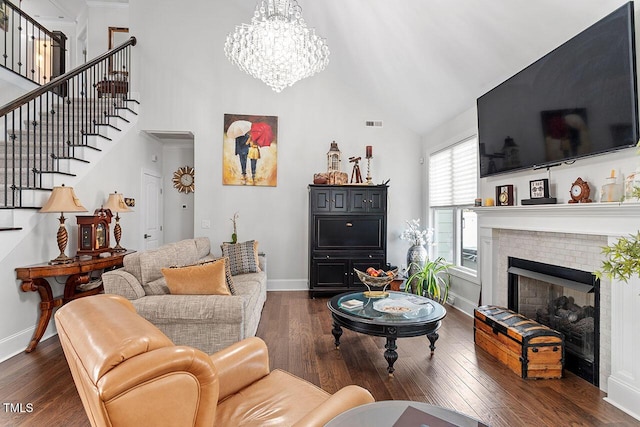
347,230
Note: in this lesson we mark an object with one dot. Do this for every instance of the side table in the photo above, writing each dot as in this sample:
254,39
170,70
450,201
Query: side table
34,279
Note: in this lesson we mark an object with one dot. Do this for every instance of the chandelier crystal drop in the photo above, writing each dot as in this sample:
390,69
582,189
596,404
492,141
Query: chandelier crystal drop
277,47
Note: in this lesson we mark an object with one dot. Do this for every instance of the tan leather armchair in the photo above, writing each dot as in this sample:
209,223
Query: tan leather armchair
128,373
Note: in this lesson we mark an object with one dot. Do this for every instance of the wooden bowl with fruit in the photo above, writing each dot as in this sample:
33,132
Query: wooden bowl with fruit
376,278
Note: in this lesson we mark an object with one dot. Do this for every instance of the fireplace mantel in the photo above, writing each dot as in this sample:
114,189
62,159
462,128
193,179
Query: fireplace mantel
607,219
605,222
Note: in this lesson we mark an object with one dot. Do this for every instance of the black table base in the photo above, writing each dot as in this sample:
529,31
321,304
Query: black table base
391,333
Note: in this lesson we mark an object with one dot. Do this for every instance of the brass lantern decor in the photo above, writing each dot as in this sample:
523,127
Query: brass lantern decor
335,176
184,179
333,158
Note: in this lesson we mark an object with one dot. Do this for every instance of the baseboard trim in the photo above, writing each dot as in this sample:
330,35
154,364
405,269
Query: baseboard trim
18,342
462,304
287,285
623,396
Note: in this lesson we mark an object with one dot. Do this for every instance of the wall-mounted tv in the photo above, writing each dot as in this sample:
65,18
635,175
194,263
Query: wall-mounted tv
579,100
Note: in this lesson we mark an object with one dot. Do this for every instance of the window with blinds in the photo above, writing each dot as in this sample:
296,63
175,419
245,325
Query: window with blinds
453,175
453,186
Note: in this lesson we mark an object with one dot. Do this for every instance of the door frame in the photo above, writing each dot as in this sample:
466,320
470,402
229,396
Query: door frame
144,202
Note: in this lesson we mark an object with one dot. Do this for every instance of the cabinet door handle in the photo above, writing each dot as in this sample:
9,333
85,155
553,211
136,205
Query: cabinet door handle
328,257
370,256
349,224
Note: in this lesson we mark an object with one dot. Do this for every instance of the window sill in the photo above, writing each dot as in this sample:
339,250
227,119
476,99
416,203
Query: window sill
465,274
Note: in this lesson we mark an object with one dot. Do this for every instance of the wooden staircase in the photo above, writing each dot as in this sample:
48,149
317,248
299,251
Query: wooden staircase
53,132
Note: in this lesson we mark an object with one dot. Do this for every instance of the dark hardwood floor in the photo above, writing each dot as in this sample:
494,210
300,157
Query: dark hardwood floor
298,332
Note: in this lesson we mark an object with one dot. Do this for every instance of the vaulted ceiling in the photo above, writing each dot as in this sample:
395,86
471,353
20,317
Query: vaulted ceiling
424,61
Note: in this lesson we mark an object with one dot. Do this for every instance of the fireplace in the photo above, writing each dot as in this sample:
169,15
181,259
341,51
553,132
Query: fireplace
572,235
565,299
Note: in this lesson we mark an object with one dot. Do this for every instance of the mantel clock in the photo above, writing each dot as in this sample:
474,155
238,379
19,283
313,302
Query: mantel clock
93,232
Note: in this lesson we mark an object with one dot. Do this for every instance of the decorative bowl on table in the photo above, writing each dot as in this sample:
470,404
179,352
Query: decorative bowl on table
381,281
395,307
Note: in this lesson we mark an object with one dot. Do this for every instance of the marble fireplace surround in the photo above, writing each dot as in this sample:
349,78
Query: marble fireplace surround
572,235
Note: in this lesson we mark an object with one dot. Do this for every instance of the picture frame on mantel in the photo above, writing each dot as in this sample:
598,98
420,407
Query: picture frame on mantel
539,188
539,193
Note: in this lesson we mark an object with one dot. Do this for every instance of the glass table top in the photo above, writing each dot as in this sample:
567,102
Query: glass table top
397,308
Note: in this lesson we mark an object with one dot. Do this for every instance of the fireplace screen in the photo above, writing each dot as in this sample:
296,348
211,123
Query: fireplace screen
564,299
565,310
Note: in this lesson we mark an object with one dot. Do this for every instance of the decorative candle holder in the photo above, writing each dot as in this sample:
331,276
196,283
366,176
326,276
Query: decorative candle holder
369,155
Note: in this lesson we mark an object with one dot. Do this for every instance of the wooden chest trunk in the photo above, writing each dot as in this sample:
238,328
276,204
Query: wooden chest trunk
528,348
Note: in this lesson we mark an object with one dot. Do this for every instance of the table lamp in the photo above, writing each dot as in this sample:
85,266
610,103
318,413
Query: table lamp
62,199
115,203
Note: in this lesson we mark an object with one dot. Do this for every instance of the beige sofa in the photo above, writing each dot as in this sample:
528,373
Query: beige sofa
207,322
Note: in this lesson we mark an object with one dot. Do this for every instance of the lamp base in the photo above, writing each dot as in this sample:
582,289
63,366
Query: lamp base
61,259
118,248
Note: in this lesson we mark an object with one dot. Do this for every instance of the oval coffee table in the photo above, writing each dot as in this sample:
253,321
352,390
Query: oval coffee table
385,317
401,412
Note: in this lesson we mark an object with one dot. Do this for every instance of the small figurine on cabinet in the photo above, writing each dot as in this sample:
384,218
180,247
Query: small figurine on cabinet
355,173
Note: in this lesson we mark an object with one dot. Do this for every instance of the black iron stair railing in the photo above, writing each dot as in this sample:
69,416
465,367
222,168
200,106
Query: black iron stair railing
45,129
29,49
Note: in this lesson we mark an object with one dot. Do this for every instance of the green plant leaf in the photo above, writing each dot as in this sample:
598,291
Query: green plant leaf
621,259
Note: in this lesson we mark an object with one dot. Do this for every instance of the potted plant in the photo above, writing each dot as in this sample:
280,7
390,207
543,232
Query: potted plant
431,280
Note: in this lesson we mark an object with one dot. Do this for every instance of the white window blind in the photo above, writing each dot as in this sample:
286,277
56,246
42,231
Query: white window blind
453,175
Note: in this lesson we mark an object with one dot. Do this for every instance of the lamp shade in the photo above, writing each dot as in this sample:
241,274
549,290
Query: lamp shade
115,203
63,199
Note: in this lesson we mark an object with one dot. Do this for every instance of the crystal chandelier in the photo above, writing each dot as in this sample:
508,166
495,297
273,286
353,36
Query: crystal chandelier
277,47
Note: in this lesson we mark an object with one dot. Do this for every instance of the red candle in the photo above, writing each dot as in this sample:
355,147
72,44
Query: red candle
369,151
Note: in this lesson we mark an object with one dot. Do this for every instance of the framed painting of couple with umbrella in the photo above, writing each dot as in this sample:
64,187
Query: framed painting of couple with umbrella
250,150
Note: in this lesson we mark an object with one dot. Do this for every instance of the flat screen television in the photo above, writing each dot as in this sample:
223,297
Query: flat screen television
579,100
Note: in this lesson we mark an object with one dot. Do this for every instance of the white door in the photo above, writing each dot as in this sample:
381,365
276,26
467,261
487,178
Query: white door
152,210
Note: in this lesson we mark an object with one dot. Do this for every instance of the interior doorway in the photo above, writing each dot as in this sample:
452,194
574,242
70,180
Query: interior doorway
178,211
152,210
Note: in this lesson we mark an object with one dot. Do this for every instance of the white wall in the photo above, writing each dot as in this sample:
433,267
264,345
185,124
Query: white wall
119,170
178,207
186,83
99,17
594,170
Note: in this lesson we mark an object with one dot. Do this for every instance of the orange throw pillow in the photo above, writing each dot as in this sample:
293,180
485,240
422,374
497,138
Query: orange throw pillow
202,279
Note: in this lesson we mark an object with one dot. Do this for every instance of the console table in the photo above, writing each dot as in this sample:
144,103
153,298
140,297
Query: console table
78,284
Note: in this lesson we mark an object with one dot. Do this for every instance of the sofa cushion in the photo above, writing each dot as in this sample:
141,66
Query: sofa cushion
243,256
227,274
200,279
152,261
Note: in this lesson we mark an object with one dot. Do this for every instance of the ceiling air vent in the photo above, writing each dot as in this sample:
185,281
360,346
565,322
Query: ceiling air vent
373,123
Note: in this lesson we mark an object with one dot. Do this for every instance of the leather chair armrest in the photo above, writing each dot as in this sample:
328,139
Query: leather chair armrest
135,392
344,399
240,365
155,364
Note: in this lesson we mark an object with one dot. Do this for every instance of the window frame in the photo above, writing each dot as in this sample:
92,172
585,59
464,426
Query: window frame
457,269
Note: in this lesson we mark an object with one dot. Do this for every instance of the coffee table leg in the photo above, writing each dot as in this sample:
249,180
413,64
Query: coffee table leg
390,354
337,333
433,337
